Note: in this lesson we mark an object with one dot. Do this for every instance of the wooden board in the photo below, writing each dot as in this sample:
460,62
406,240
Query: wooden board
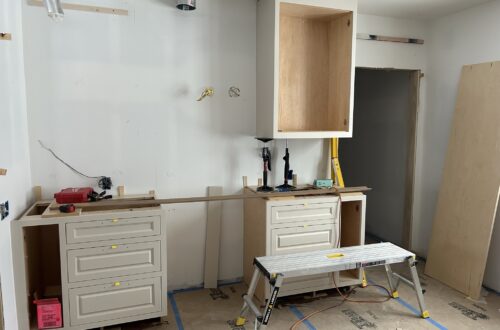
374,37
212,243
82,7
108,204
412,158
468,197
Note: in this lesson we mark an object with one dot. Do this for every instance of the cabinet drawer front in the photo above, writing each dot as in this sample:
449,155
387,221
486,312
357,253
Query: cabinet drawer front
303,212
113,260
114,300
303,239
103,230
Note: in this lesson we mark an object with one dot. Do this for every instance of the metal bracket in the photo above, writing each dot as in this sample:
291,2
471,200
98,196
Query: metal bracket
4,210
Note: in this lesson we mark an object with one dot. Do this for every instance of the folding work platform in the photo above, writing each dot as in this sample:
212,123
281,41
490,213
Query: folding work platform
277,268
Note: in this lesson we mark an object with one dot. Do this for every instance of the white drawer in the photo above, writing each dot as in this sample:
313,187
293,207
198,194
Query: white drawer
302,239
114,300
112,229
303,212
113,261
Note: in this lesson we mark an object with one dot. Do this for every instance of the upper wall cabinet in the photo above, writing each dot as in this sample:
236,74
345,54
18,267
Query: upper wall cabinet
305,68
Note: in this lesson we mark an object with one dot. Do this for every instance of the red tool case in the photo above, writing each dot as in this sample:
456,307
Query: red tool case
73,195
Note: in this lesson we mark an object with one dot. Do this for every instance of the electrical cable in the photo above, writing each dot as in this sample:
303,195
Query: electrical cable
103,182
345,297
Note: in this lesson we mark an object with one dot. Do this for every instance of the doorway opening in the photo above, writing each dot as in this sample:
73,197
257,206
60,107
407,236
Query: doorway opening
381,153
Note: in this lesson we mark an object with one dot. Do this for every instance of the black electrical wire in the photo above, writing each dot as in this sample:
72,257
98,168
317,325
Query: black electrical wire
103,182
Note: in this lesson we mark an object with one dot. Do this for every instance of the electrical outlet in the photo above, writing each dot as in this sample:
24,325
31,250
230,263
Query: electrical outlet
4,210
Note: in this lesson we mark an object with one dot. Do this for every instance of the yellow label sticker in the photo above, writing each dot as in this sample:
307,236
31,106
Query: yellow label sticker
334,255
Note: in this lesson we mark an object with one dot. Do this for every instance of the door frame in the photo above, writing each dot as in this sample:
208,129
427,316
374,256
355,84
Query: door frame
414,99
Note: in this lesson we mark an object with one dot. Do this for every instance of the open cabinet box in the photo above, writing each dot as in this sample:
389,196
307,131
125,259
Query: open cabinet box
315,62
305,81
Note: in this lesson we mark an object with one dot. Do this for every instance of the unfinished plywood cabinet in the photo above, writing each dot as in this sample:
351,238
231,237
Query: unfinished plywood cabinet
106,267
302,224
305,68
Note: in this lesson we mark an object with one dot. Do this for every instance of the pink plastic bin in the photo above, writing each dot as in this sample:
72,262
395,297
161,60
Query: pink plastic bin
48,313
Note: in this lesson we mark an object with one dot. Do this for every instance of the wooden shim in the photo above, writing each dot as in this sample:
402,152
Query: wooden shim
3,171
92,9
139,203
5,36
375,37
465,216
212,243
37,191
121,191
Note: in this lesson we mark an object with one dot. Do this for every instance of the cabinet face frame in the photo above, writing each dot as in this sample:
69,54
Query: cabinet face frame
268,67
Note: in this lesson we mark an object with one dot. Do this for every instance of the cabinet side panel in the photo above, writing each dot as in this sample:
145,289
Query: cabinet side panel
266,36
254,239
341,31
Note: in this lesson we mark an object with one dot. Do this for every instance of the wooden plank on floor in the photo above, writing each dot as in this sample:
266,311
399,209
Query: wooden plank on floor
212,244
469,191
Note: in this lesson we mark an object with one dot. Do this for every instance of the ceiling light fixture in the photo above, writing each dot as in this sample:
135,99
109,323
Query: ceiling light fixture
186,4
54,9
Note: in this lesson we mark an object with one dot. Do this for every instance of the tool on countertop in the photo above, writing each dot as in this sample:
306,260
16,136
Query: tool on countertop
95,197
67,208
323,183
73,195
288,174
79,195
266,159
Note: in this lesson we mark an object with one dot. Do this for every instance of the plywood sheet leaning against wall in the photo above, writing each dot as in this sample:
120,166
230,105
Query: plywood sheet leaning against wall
469,191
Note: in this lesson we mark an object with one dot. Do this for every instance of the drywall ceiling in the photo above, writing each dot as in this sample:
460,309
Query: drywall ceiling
415,9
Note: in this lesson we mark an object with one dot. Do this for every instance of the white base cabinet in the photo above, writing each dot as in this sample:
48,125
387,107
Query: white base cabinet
284,226
106,267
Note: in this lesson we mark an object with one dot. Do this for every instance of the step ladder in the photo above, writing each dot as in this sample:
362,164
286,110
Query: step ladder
277,268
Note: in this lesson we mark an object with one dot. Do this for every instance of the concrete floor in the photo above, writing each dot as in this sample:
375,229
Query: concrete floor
449,309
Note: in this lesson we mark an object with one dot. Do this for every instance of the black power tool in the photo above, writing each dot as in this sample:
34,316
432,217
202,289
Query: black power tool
288,175
266,159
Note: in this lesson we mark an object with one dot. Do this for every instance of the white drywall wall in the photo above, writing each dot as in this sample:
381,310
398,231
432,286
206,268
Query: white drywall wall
14,155
464,38
117,96
377,54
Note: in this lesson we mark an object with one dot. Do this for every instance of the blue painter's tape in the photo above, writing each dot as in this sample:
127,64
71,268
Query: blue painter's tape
414,310
177,315
300,316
